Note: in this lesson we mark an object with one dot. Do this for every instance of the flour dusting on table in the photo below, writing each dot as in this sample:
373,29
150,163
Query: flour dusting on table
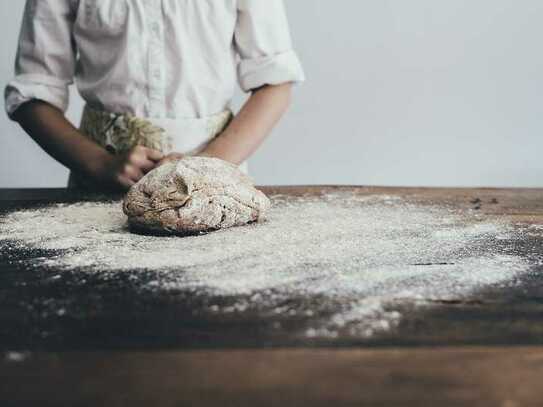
357,257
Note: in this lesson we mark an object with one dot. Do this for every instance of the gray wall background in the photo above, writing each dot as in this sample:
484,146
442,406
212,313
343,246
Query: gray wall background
418,92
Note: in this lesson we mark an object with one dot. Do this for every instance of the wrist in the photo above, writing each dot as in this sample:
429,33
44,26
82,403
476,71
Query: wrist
216,148
97,165
205,153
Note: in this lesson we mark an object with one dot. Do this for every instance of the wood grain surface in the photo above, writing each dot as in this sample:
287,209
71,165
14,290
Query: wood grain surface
461,353
503,377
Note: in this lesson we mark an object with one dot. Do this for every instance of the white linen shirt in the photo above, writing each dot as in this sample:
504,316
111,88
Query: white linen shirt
169,59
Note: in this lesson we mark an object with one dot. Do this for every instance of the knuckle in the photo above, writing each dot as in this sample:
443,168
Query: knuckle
138,159
127,168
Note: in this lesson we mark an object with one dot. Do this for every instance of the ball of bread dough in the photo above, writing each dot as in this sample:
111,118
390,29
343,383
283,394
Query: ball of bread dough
194,195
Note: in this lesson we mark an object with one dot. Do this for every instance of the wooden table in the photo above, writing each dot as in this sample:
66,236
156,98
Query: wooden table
485,352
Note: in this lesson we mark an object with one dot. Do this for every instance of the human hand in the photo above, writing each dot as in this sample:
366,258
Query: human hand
123,171
170,157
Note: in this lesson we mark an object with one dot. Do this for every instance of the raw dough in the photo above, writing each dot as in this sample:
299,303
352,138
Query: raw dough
194,195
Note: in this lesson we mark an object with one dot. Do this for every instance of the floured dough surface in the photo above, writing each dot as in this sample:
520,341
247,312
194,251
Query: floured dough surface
194,195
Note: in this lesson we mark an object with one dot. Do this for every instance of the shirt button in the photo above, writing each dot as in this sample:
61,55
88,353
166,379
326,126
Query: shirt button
155,27
157,74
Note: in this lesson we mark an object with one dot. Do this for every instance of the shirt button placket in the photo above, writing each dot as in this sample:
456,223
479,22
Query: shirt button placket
155,57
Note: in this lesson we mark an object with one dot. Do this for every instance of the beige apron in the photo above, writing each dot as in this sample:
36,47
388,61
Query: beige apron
119,133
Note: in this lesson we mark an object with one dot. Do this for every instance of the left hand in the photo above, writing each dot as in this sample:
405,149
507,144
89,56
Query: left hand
170,157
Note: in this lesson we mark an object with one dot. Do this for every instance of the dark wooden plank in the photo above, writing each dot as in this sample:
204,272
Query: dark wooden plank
421,377
127,320
528,201
114,313
10,198
502,201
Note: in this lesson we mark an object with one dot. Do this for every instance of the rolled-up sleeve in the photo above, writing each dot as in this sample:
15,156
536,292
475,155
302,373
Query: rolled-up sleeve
45,61
264,45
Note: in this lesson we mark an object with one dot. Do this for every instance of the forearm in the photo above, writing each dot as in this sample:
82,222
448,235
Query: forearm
59,138
252,124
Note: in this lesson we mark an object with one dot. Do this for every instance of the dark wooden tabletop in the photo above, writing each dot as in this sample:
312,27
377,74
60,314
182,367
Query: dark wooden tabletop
487,351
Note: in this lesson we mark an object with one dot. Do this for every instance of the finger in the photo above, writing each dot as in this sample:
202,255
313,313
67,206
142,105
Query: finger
146,152
164,161
171,157
153,155
132,172
125,183
136,174
177,157
147,165
143,164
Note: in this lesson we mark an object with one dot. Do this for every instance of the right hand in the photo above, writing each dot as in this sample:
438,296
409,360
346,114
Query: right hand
123,171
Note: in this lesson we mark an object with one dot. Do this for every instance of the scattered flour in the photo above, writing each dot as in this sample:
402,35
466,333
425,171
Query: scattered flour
354,256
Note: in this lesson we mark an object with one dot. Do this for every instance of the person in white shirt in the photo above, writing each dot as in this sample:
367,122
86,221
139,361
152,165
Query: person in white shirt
157,77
